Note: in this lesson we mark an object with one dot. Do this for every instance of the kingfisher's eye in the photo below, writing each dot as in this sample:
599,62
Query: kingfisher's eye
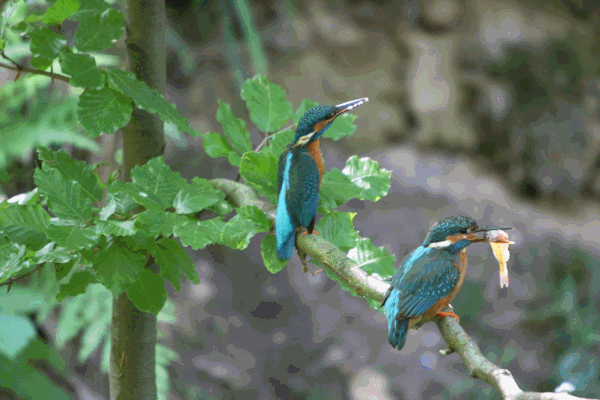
464,231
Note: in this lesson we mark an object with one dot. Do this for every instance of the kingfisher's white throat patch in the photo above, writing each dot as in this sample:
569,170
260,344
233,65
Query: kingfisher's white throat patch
440,245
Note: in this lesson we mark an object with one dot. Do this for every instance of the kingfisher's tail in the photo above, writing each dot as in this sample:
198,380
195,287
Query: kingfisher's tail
397,332
397,328
285,243
285,231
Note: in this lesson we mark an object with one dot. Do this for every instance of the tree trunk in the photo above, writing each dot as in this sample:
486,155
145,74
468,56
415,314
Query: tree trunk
133,349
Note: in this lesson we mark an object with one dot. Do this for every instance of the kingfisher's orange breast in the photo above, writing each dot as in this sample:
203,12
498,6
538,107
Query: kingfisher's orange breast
315,151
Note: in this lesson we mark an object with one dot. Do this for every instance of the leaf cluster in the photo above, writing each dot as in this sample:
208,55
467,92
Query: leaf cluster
61,222
107,97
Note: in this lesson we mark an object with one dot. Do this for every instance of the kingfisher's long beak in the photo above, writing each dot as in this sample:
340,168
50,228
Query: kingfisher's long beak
476,239
349,105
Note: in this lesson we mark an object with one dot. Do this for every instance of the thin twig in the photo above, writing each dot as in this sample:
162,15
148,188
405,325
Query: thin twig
10,281
269,137
19,68
263,143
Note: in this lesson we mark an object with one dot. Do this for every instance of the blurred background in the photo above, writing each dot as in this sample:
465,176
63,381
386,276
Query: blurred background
480,108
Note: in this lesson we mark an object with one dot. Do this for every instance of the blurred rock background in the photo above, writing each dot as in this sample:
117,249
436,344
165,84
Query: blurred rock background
481,108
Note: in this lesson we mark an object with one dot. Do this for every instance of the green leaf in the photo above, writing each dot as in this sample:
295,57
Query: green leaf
31,197
280,142
269,255
72,237
173,261
116,228
99,31
222,208
53,253
108,210
60,10
239,230
259,170
46,123
124,202
7,248
148,292
234,159
159,222
90,7
16,333
25,225
156,177
373,260
21,378
234,128
343,126
82,69
216,145
45,46
103,111
63,270
366,174
201,234
66,199
14,266
77,285
74,170
193,198
269,109
137,193
118,267
336,189
147,98
338,228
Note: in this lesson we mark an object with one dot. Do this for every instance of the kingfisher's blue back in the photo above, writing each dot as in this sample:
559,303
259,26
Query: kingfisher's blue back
298,188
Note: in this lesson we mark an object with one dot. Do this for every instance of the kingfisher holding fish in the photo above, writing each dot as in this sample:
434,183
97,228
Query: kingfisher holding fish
432,274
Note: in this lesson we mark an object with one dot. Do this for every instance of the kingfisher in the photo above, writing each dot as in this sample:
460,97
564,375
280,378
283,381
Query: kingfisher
430,276
299,175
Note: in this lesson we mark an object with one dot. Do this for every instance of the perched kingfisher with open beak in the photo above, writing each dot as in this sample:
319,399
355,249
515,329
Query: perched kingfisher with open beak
299,175
430,276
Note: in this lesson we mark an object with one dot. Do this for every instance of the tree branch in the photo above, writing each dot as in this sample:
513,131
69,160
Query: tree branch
481,368
52,75
367,286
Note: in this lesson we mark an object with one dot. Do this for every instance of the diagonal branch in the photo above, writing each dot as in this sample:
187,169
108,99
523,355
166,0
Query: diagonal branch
316,247
367,286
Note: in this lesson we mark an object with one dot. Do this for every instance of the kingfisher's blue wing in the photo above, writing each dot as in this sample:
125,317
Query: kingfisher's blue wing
424,278
281,168
285,229
303,194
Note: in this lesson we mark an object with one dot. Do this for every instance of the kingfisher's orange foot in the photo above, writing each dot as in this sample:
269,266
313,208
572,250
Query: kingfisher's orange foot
313,232
442,314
